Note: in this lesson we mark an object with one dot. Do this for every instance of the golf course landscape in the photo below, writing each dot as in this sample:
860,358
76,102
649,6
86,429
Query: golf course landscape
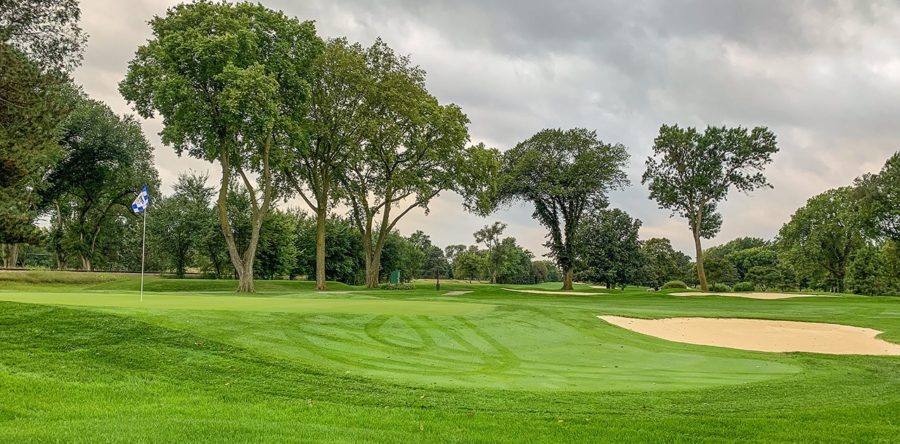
449,222
83,359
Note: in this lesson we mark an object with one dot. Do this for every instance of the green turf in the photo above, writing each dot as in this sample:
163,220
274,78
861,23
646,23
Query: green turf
86,361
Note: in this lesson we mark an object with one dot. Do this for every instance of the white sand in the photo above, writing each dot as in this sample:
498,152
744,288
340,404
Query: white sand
569,293
456,293
748,295
763,335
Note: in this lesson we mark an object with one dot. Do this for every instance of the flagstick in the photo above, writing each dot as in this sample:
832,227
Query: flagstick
143,244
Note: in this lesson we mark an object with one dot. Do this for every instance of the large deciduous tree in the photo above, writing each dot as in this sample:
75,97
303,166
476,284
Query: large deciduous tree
822,237
40,43
336,115
231,82
412,148
690,172
563,173
608,247
489,235
106,160
880,195
178,221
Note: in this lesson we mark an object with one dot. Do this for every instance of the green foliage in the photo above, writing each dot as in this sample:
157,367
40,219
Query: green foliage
880,200
691,172
400,253
744,260
563,173
343,251
231,82
662,263
734,246
179,222
470,264
608,248
744,286
277,252
515,264
408,147
32,102
674,284
312,163
721,270
768,277
544,271
719,287
867,272
46,31
489,235
106,162
822,237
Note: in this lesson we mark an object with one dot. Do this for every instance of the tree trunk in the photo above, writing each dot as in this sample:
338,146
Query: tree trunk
320,246
494,277
568,276
86,263
12,256
701,273
245,278
373,266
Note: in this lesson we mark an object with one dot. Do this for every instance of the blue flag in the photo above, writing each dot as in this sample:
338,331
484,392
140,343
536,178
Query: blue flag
141,201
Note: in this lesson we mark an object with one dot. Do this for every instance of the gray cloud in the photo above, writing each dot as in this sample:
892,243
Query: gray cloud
824,75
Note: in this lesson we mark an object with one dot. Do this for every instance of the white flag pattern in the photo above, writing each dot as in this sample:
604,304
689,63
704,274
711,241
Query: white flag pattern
141,201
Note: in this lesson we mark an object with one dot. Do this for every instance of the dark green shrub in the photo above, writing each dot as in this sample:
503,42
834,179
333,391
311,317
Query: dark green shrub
720,288
400,286
744,286
674,284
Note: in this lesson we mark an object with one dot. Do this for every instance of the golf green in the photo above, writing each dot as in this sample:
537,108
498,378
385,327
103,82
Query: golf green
90,360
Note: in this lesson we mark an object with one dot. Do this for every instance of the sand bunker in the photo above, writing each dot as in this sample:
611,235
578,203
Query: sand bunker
763,335
456,293
747,295
570,293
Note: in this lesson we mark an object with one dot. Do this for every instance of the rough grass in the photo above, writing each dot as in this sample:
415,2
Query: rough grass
513,367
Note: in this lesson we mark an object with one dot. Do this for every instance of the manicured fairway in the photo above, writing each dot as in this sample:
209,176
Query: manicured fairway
85,361
304,303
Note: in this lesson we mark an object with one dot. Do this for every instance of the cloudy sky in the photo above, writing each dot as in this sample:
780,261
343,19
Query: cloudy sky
825,76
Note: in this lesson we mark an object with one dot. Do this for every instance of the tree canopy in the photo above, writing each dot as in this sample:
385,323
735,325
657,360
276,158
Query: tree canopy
231,82
106,161
690,172
563,173
45,31
340,82
609,250
880,195
40,42
412,149
821,238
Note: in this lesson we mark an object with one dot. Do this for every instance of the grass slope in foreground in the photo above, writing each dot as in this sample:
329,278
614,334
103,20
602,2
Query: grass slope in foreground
507,367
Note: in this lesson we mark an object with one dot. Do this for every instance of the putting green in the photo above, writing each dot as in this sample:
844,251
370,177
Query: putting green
429,342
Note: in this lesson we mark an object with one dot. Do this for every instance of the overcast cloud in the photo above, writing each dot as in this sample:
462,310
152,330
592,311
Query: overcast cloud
825,76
